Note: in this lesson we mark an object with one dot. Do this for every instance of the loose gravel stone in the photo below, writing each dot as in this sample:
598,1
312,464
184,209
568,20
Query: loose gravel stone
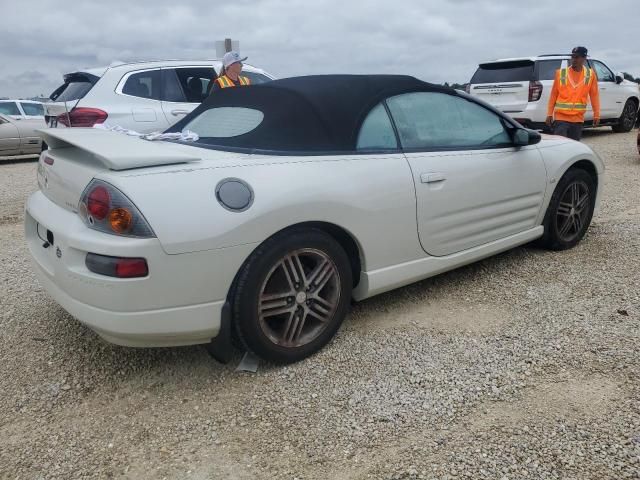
519,366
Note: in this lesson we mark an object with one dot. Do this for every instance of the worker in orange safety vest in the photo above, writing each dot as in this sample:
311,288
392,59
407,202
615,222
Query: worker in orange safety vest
572,88
230,73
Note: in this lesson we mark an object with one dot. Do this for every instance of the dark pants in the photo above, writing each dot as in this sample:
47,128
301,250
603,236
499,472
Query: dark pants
568,129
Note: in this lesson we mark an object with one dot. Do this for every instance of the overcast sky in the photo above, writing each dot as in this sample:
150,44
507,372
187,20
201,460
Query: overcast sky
436,40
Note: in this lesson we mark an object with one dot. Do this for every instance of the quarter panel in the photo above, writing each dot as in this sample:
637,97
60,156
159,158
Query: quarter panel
370,196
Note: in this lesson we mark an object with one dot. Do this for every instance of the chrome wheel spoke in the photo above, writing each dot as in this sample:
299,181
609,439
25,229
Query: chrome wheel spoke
275,302
575,194
324,279
322,268
294,266
582,203
566,226
320,312
291,326
564,209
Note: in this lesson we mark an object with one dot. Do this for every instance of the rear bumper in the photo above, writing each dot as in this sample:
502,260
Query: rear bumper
180,302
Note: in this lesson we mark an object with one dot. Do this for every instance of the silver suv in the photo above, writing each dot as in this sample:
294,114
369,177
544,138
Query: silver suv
144,96
521,87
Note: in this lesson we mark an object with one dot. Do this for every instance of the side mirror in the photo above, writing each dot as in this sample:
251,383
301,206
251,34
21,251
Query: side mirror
523,137
619,78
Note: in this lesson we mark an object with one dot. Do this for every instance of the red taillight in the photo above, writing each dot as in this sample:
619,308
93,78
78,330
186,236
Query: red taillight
131,268
535,91
99,202
82,117
117,266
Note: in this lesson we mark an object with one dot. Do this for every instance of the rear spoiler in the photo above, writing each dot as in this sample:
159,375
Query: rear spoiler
116,151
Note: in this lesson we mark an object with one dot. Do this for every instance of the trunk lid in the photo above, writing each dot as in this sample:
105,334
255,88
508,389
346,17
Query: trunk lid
77,155
505,85
64,98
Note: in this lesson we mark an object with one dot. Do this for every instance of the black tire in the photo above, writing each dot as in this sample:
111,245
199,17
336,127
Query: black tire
555,237
266,333
628,117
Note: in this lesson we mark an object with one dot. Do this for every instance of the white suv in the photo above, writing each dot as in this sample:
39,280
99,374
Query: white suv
144,96
521,87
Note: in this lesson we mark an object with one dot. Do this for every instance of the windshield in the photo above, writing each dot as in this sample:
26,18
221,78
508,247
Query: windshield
516,71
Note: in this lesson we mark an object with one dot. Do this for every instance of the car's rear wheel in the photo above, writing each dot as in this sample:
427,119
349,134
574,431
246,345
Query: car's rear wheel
628,118
292,295
570,210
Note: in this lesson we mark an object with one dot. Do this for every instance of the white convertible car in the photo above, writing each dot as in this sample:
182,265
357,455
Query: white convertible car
299,196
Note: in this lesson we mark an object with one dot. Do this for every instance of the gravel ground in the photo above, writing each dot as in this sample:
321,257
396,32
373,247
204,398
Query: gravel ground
525,365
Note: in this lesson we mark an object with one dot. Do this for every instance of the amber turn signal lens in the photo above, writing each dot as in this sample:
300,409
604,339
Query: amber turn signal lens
121,220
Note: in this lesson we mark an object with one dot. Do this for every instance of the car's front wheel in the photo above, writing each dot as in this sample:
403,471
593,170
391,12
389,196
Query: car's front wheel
628,117
292,295
570,210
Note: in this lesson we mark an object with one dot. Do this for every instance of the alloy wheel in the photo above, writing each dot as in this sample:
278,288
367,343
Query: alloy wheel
299,297
573,211
629,116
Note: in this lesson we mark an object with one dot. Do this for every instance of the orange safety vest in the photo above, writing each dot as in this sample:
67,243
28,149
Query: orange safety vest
225,82
572,98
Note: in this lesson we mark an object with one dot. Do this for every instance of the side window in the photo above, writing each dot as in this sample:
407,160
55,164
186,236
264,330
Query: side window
603,73
431,120
171,89
256,78
377,132
9,108
546,69
143,85
195,82
33,109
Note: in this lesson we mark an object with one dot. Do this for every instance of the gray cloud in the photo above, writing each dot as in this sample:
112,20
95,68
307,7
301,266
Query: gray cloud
434,40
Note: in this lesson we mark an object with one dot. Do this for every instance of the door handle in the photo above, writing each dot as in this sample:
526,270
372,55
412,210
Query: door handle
179,112
432,177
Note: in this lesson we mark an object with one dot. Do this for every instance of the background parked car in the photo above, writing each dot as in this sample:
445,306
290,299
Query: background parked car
22,109
521,87
19,137
144,96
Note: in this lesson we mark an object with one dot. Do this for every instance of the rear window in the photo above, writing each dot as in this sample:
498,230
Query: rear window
518,71
34,109
9,108
225,122
74,88
546,69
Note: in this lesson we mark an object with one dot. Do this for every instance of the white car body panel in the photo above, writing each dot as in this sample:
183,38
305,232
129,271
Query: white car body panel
200,245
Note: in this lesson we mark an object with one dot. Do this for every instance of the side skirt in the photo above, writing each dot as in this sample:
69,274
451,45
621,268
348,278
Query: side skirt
385,279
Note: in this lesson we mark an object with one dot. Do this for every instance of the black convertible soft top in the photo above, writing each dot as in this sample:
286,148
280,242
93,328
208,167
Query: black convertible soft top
307,114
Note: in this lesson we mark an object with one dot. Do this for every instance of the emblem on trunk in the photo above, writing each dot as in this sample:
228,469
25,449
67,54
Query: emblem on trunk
58,252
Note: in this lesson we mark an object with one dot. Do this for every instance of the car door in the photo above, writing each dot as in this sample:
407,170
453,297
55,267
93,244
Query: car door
611,93
472,185
30,140
9,138
139,107
183,89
